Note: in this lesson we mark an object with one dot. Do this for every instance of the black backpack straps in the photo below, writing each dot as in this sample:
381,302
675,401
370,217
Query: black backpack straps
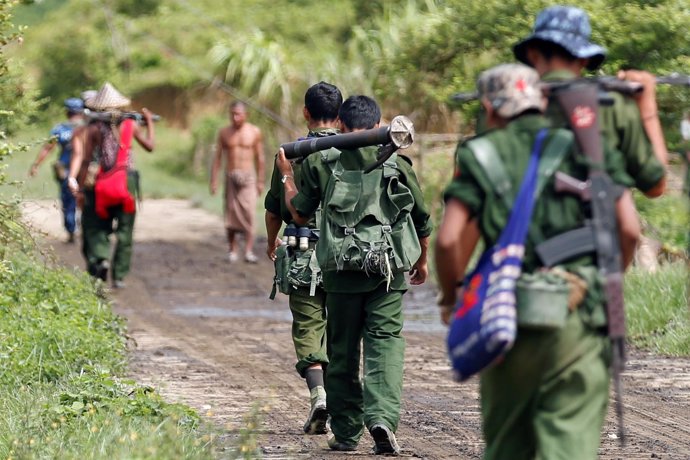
492,165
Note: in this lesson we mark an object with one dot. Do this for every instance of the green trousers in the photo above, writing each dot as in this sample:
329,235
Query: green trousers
89,220
548,398
308,328
96,234
372,321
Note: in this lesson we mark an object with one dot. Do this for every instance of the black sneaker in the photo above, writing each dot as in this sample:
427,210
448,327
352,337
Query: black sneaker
384,440
102,270
70,238
334,444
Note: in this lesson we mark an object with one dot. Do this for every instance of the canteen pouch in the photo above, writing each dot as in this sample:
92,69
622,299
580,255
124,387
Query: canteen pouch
542,300
282,268
59,171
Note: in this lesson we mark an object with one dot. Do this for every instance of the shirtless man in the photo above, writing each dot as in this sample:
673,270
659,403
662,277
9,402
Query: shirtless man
241,145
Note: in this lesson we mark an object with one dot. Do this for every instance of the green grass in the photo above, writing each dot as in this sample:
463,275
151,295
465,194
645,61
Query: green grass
62,355
657,309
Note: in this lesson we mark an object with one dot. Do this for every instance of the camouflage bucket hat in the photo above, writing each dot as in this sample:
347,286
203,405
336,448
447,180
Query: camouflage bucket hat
511,89
108,98
568,27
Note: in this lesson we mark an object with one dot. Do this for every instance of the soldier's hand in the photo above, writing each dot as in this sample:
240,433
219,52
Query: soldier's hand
213,187
33,170
419,273
283,164
446,312
259,188
73,186
271,248
148,116
646,99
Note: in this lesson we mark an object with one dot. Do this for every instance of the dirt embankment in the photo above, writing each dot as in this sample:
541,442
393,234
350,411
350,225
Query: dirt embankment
207,335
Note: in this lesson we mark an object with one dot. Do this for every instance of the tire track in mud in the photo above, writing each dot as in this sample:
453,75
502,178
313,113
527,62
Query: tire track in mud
206,335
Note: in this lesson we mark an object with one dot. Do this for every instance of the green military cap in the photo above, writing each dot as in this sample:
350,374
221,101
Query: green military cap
511,89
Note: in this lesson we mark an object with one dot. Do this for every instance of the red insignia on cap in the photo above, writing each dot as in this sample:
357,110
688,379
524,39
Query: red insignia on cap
583,117
521,85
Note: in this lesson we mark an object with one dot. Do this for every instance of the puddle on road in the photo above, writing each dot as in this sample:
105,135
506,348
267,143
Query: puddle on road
218,312
421,313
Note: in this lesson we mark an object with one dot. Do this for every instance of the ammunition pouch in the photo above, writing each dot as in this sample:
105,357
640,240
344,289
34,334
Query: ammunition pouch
295,269
304,271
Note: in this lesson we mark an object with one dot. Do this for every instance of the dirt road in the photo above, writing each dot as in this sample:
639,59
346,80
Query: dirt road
207,335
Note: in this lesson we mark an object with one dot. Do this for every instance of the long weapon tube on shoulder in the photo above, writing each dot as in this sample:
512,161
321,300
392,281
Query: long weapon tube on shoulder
400,134
606,83
107,116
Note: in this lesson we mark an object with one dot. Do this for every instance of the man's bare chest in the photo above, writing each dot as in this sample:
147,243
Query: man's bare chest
241,139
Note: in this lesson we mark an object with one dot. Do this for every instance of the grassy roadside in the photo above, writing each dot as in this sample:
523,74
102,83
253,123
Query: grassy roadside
658,310
62,354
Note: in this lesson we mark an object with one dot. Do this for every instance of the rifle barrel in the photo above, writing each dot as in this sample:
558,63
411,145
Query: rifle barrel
607,83
107,116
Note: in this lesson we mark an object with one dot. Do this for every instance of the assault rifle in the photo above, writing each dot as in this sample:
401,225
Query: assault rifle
605,83
399,135
108,116
579,102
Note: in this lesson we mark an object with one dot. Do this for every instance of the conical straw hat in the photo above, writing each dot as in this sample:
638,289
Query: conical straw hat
87,95
108,98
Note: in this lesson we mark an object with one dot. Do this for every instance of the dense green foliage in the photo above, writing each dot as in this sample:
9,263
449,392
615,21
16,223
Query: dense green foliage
17,101
410,54
63,350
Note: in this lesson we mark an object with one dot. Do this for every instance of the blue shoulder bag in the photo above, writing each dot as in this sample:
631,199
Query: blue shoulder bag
485,320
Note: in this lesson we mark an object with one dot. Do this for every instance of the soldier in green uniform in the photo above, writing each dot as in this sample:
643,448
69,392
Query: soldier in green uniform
364,303
321,104
559,49
547,398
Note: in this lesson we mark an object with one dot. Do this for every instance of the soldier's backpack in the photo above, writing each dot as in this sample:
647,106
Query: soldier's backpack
365,221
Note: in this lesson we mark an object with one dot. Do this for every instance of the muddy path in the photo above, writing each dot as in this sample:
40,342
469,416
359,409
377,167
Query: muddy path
205,334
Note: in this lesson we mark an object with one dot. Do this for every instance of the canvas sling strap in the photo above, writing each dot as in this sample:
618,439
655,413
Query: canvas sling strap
492,165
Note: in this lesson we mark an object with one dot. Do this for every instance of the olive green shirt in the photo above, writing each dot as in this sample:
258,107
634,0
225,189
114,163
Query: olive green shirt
274,202
622,129
314,179
554,213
